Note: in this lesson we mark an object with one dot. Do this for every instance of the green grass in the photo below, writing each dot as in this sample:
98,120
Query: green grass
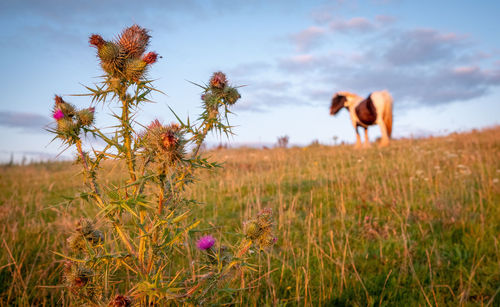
414,224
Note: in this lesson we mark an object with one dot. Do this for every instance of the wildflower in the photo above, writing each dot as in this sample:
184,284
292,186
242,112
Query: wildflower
58,114
205,242
66,108
218,80
150,58
168,139
96,40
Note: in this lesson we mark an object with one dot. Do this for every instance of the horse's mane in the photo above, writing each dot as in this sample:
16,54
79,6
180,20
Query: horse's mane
347,94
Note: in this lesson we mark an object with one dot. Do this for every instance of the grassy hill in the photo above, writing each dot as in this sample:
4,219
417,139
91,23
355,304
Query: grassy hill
417,223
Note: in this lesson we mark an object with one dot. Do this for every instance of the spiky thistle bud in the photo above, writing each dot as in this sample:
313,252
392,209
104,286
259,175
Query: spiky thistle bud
150,57
85,116
77,275
259,230
218,80
67,128
134,69
112,58
163,143
253,230
134,40
85,226
76,242
66,108
231,95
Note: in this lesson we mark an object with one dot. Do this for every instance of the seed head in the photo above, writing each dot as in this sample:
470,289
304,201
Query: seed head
205,242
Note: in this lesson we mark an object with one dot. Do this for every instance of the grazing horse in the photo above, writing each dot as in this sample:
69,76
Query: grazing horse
376,109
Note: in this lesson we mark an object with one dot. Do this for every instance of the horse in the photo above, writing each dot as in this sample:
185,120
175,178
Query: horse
376,109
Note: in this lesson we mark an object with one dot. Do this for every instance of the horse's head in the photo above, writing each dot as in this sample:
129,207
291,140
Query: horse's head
338,102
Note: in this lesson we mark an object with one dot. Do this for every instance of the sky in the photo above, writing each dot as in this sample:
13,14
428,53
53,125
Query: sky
440,60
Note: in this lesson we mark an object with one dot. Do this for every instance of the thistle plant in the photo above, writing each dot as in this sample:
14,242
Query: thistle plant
131,252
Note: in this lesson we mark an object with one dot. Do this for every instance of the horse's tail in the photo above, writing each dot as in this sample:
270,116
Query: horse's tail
387,116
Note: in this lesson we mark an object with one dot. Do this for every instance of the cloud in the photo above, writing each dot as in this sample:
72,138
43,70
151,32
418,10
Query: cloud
26,121
422,46
419,66
355,24
308,38
385,19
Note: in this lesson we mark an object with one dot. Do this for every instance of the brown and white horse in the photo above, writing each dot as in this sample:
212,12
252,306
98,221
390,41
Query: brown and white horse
376,109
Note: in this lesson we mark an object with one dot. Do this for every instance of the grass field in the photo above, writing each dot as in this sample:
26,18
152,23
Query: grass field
414,224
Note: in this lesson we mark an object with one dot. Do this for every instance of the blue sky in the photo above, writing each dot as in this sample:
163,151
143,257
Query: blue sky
439,59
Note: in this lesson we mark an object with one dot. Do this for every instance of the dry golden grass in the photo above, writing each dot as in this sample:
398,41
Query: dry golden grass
417,223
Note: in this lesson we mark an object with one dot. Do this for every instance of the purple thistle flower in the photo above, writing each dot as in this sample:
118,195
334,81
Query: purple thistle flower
58,114
206,242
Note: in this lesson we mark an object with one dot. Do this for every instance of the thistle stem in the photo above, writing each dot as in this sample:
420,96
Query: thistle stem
127,138
93,182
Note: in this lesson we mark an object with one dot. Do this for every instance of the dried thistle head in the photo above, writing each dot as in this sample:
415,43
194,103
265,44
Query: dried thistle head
86,233
134,40
77,275
120,301
260,231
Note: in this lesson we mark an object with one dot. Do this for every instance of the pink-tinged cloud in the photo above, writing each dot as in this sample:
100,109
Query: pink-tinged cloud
464,70
385,19
308,38
358,24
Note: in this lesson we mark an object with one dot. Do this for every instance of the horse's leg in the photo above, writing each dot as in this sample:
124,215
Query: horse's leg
367,141
358,138
385,137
